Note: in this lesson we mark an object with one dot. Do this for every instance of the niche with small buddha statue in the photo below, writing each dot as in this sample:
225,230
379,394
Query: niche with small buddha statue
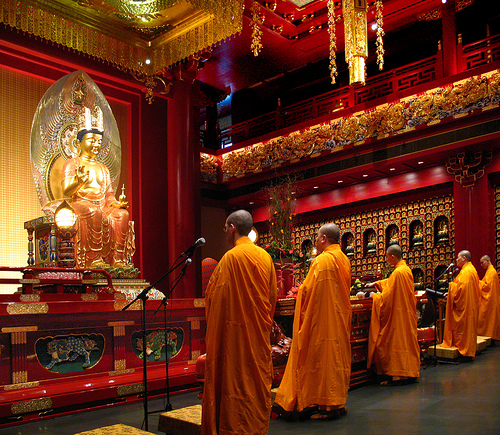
348,244
369,242
418,279
416,234
392,235
441,230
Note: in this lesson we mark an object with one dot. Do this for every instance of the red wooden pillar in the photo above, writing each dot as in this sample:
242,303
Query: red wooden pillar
183,154
475,219
449,38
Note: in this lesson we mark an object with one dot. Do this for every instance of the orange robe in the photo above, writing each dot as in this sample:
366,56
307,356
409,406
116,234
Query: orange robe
488,323
462,307
319,364
393,343
240,302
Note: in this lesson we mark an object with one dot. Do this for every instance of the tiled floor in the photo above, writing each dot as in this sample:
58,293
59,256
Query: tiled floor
449,399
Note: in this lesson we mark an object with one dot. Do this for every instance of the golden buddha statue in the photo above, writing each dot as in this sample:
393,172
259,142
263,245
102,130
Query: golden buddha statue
349,249
442,235
103,219
371,247
76,156
394,236
418,236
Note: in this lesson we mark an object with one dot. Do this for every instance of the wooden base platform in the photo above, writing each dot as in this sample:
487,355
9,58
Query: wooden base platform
185,421
115,429
452,352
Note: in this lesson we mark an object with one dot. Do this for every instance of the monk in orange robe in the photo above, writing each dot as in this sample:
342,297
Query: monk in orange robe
240,302
488,324
462,307
317,374
393,343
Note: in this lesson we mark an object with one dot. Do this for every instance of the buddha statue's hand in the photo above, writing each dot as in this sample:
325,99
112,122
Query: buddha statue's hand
119,204
82,175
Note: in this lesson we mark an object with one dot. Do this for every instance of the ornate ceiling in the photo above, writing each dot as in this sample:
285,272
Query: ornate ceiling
147,36
142,36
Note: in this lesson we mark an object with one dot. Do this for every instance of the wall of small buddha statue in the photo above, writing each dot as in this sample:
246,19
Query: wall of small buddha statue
423,229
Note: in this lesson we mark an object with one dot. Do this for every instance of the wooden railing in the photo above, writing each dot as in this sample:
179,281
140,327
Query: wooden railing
400,79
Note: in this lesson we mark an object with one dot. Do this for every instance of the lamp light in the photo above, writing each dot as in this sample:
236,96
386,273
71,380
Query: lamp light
65,216
253,235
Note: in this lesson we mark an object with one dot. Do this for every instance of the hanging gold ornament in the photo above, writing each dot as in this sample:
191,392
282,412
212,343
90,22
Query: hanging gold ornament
333,40
257,21
379,19
356,39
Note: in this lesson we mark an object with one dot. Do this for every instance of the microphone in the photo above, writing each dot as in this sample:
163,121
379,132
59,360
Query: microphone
450,266
190,251
186,264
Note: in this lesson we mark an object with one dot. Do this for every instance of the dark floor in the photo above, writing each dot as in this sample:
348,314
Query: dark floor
449,399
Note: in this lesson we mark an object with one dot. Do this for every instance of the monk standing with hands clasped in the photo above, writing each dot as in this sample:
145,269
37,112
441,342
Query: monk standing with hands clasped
462,308
393,342
318,371
240,301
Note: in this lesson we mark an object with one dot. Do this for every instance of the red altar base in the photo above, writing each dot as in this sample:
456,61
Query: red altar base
31,324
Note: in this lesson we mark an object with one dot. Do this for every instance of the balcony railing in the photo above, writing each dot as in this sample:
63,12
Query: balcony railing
400,79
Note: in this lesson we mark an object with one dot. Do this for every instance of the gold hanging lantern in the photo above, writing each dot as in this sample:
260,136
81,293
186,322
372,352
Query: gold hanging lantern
356,39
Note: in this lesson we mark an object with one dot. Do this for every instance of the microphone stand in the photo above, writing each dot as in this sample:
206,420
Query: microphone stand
164,303
143,296
434,295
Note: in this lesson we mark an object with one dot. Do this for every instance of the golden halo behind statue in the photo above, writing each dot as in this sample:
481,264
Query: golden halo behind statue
54,130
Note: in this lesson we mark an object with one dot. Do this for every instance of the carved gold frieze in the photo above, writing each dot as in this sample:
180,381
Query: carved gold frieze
119,331
29,298
199,303
121,372
33,308
120,364
120,304
19,377
429,108
31,406
89,296
123,323
11,329
20,386
126,390
195,354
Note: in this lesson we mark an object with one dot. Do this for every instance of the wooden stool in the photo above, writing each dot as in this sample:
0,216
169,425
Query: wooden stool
482,343
444,352
185,421
452,352
115,429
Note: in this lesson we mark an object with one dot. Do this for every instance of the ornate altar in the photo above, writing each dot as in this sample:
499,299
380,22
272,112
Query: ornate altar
76,159
66,344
